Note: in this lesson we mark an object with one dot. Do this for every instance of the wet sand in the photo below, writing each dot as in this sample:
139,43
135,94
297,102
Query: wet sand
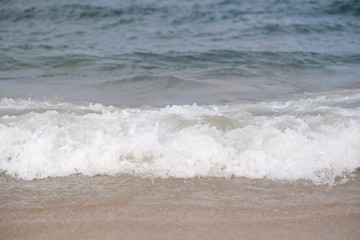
125,207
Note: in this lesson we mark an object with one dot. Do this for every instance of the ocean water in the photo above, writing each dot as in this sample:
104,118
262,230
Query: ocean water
181,89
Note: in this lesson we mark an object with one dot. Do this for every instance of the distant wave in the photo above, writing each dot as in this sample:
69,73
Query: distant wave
312,138
178,60
70,12
347,7
146,83
178,13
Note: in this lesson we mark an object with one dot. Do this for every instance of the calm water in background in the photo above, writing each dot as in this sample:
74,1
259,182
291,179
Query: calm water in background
177,52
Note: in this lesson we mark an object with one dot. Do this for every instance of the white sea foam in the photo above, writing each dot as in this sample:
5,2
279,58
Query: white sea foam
313,138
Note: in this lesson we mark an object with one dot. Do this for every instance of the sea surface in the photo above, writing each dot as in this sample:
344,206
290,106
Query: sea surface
181,89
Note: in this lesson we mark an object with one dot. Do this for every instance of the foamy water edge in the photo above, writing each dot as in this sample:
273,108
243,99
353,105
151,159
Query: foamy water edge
311,138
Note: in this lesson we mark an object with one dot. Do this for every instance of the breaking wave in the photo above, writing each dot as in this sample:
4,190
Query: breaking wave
311,138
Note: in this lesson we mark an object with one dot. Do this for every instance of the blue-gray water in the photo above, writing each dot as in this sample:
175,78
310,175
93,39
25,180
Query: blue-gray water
176,52
277,83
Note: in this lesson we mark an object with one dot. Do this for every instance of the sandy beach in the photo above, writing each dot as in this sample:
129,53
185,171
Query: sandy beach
126,207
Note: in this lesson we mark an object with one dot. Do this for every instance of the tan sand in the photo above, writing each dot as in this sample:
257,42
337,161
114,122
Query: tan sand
133,208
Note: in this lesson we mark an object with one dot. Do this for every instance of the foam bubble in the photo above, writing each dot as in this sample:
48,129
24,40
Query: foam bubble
313,138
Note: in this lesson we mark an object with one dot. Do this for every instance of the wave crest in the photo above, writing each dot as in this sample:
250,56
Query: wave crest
305,139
